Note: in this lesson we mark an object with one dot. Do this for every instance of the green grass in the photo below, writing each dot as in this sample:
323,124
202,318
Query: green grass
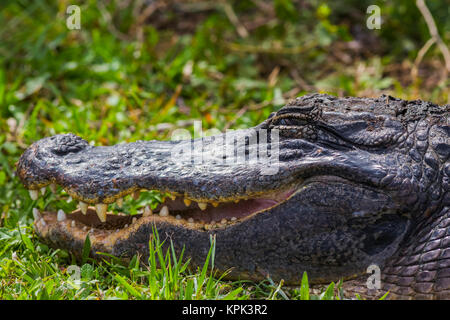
117,81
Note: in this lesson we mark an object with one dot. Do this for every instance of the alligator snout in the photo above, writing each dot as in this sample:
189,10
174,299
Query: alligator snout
36,167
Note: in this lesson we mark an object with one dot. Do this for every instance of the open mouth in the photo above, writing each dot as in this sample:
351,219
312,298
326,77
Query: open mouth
202,196
174,209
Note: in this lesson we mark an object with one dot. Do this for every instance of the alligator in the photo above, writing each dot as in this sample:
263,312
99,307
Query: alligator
334,186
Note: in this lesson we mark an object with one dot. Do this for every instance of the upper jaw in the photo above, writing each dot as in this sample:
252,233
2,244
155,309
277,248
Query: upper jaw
105,174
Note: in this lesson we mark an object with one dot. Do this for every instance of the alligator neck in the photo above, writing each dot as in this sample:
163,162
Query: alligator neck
421,268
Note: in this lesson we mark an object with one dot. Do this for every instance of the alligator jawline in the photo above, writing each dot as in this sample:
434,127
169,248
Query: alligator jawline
177,211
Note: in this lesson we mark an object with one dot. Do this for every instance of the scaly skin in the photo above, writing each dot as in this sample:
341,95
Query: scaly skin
360,182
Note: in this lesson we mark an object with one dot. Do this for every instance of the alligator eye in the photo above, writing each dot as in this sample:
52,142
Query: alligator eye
288,122
67,143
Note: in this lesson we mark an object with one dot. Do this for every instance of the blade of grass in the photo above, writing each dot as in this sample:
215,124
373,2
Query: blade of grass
86,250
128,287
304,287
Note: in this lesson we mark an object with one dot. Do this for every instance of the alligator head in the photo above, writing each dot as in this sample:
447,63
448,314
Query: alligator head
325,185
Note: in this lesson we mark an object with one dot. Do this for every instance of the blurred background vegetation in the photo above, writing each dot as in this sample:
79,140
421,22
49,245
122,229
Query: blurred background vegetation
138,69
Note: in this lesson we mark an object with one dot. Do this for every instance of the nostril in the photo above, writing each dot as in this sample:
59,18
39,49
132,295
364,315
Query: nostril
67,143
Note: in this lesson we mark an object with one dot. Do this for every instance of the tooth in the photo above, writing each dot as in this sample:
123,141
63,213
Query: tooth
120,202
190,220
53,187
178,217
133,220
101,211
61,216
147,211
164,212
73,224
83,207
34,194
14,256
187,202
43,190
215,204
136,194
36,214
202,205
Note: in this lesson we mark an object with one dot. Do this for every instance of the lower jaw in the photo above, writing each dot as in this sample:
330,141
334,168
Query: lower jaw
70,234
124,236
